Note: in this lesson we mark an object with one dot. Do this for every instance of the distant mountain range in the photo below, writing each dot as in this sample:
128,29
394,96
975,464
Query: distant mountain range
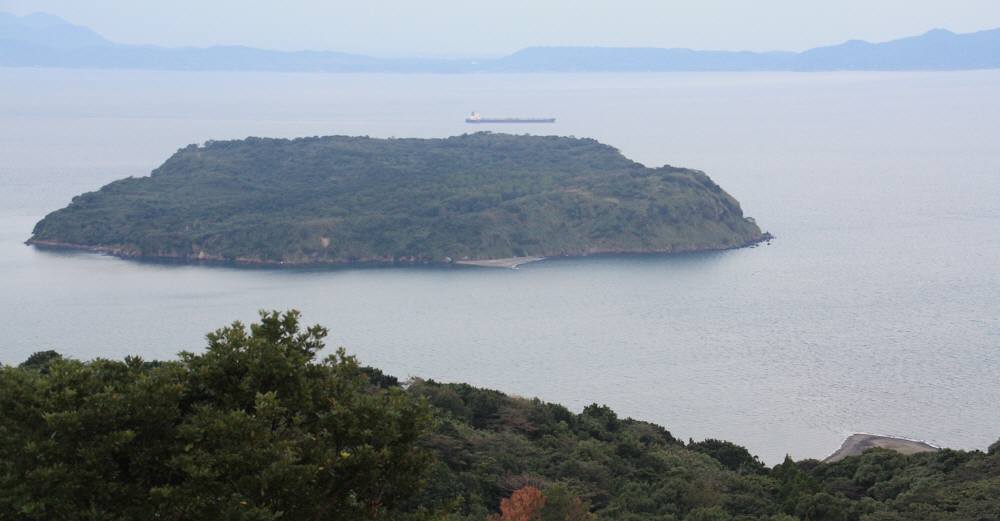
43,40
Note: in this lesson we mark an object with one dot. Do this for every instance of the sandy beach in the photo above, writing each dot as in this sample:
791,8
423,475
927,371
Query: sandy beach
509,263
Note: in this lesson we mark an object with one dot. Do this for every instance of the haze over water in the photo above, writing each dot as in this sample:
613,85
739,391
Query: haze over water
876,308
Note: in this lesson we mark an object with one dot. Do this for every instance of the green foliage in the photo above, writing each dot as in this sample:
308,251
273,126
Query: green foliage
41,360
821,507
254,428
350,199
488,444
561,504
733,456
708,514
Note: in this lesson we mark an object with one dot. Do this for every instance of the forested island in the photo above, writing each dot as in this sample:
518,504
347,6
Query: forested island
261,426
344,200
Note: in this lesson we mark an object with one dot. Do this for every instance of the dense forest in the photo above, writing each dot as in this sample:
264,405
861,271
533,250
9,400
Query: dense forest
259,426
357,199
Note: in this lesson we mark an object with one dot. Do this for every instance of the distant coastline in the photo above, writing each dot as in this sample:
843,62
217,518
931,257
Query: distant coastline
42,40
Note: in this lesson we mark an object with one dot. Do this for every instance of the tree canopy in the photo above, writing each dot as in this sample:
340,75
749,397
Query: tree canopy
254,428
258,426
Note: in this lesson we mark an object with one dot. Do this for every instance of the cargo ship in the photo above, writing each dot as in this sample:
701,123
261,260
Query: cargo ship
475,117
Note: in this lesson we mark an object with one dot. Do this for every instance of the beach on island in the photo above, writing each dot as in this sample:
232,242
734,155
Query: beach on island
509,263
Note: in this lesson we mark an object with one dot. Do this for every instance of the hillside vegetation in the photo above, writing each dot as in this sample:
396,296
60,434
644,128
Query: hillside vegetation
258,427
358,199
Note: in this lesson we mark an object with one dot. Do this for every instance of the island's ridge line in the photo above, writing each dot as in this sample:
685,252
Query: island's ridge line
341,200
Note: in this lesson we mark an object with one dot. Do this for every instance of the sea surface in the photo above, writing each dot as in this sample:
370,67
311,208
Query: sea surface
876,308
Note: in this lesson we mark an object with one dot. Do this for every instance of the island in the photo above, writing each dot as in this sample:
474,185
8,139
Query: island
345,200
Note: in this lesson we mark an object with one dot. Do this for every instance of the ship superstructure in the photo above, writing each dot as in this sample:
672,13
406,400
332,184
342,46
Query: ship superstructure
475,117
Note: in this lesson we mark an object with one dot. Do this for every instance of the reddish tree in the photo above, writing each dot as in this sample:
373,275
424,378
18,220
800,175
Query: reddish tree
525,504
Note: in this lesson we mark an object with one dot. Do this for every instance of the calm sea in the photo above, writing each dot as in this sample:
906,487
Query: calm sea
876,309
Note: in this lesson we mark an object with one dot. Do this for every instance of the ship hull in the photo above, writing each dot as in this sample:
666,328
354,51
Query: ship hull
511,120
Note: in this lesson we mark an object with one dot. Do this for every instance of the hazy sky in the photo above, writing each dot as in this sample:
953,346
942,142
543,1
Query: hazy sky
490,27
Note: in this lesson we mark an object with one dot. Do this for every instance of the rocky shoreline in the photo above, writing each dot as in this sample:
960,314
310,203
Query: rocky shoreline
504,263
856,444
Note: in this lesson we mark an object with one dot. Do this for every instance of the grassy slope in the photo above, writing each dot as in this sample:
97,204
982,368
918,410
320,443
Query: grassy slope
344,199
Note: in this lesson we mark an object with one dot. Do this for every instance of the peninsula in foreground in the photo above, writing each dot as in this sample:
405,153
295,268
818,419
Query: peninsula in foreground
344,200
261,425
